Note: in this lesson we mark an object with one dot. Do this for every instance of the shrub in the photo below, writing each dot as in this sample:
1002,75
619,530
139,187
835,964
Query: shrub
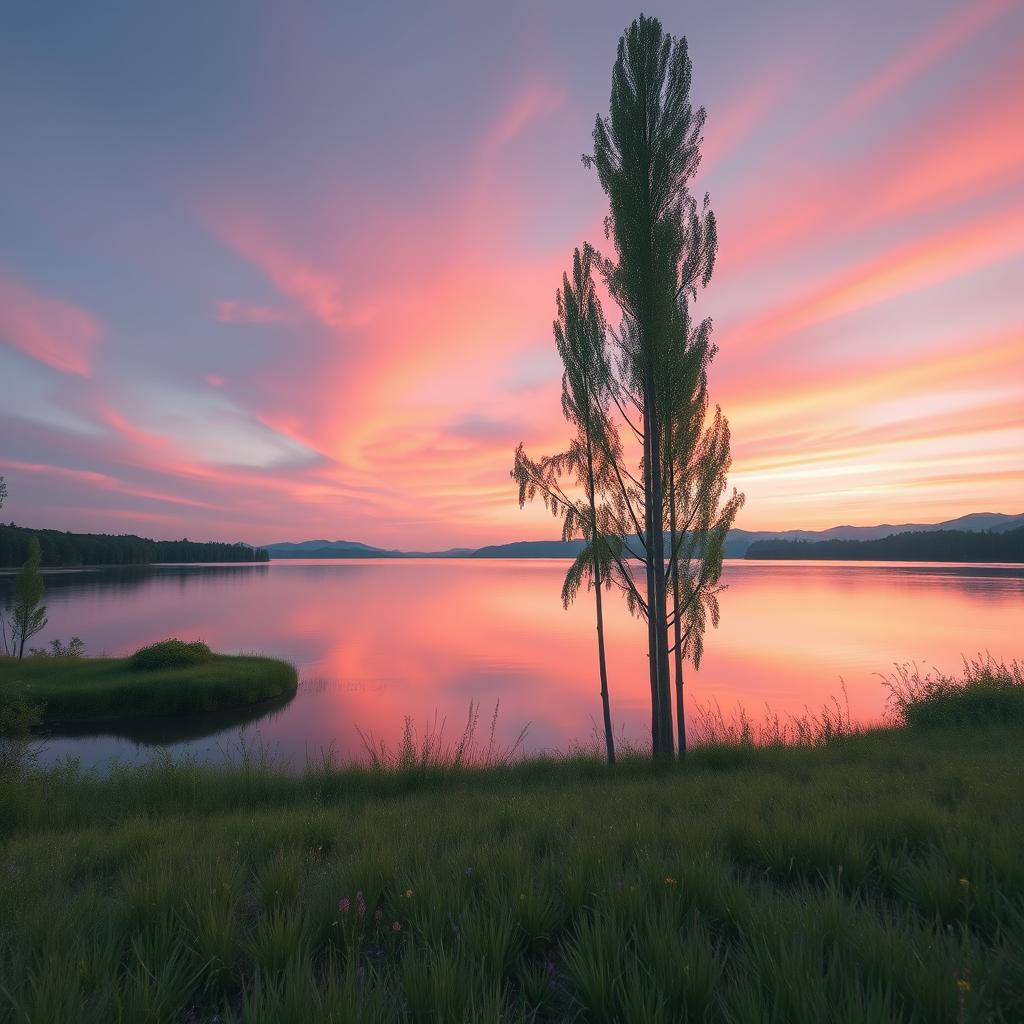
171,654
72,649
990,691
18,717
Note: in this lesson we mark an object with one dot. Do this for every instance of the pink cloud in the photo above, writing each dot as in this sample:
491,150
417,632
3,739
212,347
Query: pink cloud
920,264
531,103
50,330
727,129
318,292
962,24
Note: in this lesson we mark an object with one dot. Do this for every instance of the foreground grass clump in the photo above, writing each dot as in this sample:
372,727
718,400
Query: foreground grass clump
171,654
873,878
80,689
988,691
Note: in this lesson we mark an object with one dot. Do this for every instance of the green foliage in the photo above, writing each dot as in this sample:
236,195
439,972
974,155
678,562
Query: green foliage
79,689
651,388
171,654
914,546
57,649
61,548
27,616
989,691
874,879
19,715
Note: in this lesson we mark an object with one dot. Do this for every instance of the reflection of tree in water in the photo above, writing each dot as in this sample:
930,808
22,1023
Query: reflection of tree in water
159,731
124,578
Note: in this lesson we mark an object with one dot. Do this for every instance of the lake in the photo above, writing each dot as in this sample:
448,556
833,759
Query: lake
377,640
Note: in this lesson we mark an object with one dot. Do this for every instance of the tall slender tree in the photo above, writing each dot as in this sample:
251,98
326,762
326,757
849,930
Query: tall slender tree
697,460
646,152
670,475
28,616
580,337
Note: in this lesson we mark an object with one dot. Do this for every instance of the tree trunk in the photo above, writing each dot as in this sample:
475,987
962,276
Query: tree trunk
652,636
660,590
656,597
677,626
609,739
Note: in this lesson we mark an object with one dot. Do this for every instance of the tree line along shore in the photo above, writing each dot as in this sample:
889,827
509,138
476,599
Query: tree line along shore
61,549
915,546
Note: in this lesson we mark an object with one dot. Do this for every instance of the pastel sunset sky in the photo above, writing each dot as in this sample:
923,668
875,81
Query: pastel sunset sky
281,271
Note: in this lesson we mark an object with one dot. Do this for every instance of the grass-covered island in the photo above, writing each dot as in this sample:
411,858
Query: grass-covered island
168,678
853,877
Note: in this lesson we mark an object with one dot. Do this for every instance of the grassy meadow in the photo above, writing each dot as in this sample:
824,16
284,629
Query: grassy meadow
868,877
80,689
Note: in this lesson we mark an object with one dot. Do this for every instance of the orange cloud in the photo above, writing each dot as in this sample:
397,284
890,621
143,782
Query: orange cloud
50,330
911,267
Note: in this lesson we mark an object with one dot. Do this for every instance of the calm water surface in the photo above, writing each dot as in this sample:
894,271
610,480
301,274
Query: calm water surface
375,641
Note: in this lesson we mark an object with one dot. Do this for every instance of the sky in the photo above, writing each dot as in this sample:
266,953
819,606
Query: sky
275,272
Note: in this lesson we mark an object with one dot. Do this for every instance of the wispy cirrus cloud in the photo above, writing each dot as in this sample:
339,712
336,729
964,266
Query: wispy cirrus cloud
953,31
50,330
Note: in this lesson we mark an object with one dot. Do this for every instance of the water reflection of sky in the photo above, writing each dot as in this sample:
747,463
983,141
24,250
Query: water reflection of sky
376,641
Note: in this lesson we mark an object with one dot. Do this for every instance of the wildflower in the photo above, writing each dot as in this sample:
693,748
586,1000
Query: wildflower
407,894
361,973
396,927
343,905
963,985
378,915
670,881
964,883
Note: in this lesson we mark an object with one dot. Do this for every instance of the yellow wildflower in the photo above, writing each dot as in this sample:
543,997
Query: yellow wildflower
964,985
965,883
669,880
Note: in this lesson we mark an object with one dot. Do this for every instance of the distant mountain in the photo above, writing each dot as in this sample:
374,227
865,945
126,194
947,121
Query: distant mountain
352,549
736,543
328,549
531,549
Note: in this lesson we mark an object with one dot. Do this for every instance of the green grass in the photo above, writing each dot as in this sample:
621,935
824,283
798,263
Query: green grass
988,691
876,877
81,689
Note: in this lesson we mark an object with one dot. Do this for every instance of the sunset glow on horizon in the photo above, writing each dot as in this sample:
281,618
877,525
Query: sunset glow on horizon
267,276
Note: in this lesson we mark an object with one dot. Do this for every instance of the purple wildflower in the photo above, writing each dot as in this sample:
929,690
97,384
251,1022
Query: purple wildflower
343,905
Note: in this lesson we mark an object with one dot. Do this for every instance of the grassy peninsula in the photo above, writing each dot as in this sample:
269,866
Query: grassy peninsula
866,877
170,678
